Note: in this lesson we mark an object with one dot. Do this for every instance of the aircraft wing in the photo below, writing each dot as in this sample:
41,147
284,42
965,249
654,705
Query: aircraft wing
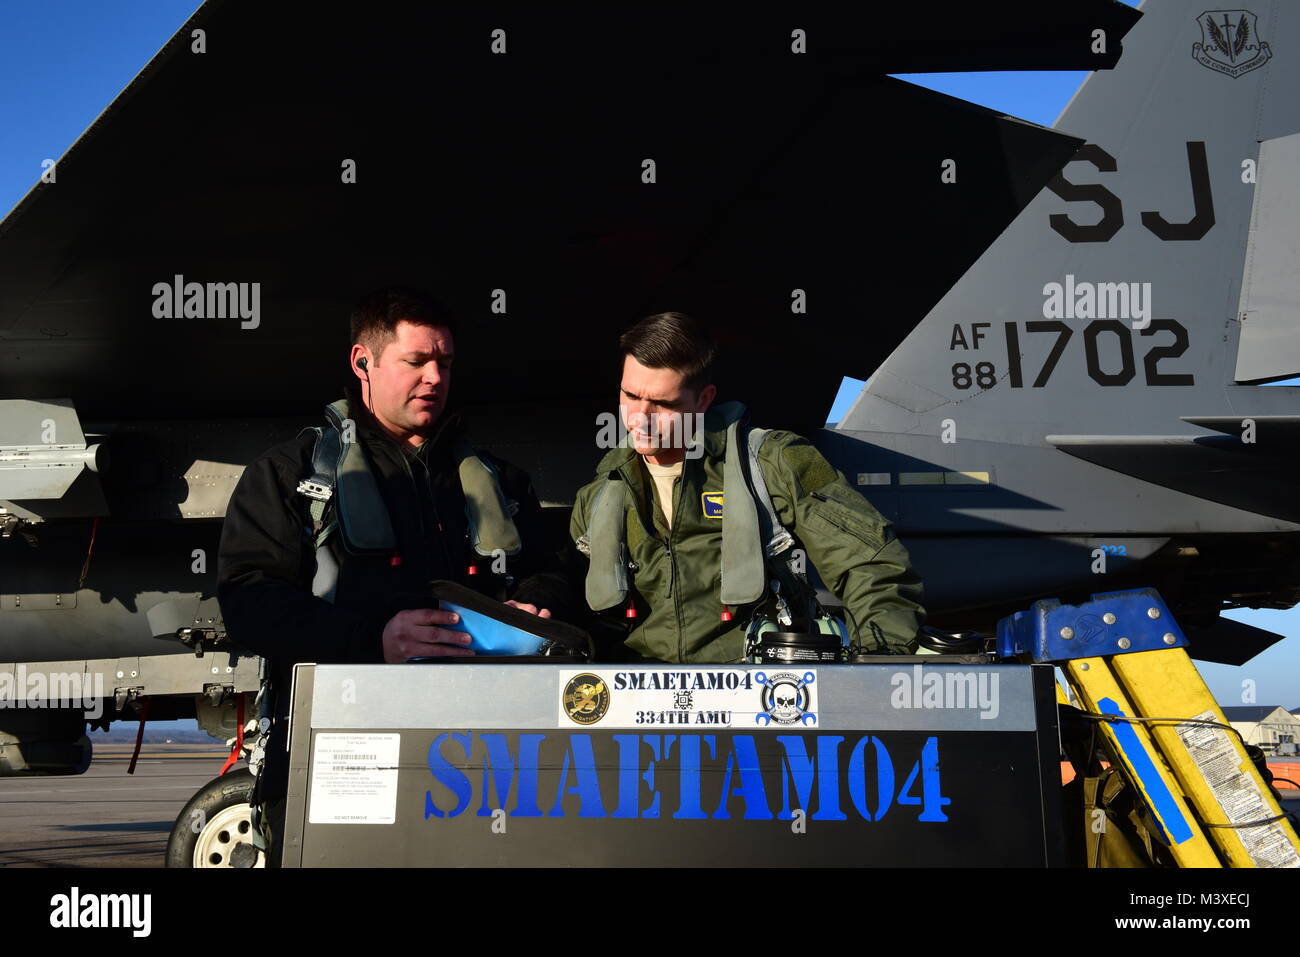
523,172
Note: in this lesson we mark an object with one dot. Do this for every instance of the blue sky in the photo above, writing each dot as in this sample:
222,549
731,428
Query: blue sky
62,63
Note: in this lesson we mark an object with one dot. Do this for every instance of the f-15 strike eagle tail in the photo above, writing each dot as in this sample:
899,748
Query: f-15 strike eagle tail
1120,328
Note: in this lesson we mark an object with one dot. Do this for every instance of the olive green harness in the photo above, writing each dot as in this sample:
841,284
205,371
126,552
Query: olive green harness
744,554
342,478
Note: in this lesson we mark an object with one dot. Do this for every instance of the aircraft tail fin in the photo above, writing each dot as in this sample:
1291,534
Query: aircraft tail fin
1155,277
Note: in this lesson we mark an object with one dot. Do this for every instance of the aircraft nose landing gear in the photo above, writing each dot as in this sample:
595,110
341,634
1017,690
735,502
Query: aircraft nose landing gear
215,827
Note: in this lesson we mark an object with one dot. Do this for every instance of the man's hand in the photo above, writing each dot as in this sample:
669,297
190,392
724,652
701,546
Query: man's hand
415,633
531,609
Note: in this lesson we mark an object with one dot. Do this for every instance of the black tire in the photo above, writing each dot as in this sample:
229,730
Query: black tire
217,817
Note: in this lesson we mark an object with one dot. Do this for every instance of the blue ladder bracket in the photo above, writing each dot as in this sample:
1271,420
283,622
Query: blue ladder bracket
1111,623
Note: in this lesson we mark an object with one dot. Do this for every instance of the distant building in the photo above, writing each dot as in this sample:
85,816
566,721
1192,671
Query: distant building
1272,727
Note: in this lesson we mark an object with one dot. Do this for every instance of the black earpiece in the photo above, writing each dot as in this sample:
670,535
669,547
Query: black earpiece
362,362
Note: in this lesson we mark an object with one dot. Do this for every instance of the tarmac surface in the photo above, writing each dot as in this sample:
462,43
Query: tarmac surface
105,817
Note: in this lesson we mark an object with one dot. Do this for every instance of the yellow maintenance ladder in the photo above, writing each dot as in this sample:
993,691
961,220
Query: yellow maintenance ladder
1126,662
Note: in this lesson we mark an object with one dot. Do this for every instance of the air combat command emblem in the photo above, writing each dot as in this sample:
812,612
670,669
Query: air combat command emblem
1230,42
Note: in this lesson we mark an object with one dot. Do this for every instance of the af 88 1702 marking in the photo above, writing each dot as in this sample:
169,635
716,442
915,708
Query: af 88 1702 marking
1109,355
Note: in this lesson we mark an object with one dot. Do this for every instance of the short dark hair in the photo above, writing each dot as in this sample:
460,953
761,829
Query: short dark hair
672,340
375,318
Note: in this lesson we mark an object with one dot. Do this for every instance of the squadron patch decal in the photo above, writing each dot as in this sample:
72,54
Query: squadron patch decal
585,698
715,697
786,698
711,503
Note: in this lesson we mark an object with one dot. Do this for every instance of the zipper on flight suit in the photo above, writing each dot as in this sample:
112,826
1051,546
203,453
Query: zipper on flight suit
648,522
672,563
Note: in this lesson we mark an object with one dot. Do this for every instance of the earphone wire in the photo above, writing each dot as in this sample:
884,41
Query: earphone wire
364,365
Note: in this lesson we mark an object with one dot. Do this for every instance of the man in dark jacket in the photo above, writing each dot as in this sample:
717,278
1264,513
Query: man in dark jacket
375,608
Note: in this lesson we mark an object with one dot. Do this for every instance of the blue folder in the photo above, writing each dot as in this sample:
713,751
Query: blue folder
492,636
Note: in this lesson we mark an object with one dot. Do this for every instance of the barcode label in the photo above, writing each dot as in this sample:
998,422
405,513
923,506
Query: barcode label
354,778
1238,793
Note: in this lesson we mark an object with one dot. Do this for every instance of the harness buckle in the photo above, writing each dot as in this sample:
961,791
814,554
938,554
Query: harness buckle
316,491
779,543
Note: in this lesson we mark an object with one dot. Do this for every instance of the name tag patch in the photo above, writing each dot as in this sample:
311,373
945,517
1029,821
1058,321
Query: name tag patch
712,504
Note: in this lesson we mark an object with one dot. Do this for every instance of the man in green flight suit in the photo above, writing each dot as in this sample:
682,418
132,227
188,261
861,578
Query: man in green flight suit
652,523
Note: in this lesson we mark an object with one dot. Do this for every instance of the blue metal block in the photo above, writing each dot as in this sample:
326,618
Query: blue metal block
1111,623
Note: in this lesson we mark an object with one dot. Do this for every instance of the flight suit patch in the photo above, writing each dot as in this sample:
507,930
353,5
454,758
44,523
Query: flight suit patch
711,502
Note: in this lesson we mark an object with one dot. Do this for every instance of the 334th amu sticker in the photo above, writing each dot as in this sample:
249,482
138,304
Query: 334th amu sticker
698,697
